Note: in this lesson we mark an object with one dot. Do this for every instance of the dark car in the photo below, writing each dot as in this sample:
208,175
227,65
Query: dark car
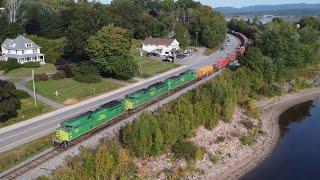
180,56
153,54
222,49
168,59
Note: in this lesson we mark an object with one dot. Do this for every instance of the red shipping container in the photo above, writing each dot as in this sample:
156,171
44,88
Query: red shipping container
221,63
232,57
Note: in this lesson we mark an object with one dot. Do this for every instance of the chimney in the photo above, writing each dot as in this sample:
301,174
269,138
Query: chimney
24,35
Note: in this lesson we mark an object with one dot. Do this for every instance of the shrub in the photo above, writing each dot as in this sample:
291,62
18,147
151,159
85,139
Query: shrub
62,65
43,76
59,75
21,94
185,149
219,139
2,65
86,73
10,65
199,155
31,65
214,158
248,124
246,139
37,77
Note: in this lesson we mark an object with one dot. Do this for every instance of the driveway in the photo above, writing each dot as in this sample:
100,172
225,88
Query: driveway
21,86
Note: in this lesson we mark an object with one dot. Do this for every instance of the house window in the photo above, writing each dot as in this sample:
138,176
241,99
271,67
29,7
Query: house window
29,45
22,51
28,58
34,50
8,51
16,51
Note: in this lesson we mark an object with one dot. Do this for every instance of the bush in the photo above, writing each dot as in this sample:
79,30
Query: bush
31,65
2,65
62,65
58,75
90,78
37,77
86,73
214,158
185,149
43,76
10,65
21,94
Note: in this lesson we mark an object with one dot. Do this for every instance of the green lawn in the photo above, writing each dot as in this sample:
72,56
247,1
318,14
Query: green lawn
21,153
68,88
27,111
150,66
15,80
26,72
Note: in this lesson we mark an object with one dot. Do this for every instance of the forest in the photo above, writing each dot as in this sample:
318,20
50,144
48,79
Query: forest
76,30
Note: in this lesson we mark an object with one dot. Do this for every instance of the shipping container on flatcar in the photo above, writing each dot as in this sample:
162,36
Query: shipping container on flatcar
221,63
204,71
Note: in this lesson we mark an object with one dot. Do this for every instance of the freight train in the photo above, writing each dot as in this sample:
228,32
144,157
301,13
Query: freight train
72,129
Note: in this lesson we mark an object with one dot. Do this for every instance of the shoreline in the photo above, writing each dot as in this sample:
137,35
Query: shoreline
236,159
271,109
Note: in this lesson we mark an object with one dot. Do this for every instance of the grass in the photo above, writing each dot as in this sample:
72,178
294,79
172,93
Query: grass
27,111
15,80
26,72
150,66
68,88
21,153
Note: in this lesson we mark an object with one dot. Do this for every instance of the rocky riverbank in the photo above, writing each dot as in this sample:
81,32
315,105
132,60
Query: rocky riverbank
225,141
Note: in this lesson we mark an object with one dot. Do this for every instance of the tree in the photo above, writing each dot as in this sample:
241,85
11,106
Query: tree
119,67
12,30
42,19
86,73
109,41
85,19
211,26
182,34
9,102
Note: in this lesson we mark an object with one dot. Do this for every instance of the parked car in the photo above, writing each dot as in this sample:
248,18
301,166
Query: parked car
180,56
149,54
228,40
227,44
168,59
222,48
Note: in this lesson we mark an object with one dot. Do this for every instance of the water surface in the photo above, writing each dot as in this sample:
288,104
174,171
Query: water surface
297,153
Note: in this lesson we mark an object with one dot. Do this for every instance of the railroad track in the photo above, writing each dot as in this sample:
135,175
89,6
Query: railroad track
14,174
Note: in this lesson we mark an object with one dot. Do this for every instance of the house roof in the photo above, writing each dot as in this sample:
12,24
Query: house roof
158,41
19,43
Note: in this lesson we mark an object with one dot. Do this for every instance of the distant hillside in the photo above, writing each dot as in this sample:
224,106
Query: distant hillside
269,8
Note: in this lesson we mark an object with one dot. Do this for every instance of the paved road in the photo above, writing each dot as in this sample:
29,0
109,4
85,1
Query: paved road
21,86
26,131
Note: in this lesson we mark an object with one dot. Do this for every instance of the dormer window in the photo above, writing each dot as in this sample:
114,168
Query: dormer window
29,45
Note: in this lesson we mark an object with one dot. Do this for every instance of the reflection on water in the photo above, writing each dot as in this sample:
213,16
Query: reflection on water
295,114
297,153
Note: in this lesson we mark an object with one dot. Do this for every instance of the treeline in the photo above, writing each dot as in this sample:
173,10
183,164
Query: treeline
79,27
283,49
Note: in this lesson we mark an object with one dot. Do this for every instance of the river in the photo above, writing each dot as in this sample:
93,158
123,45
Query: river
297,153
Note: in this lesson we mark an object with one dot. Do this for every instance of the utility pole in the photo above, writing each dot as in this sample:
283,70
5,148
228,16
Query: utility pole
197,38
141,53
34,89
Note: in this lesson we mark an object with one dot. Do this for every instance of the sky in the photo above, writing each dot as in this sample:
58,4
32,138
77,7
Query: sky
242,3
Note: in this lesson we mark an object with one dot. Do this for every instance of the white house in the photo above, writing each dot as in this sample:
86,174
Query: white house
22,49
162,45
